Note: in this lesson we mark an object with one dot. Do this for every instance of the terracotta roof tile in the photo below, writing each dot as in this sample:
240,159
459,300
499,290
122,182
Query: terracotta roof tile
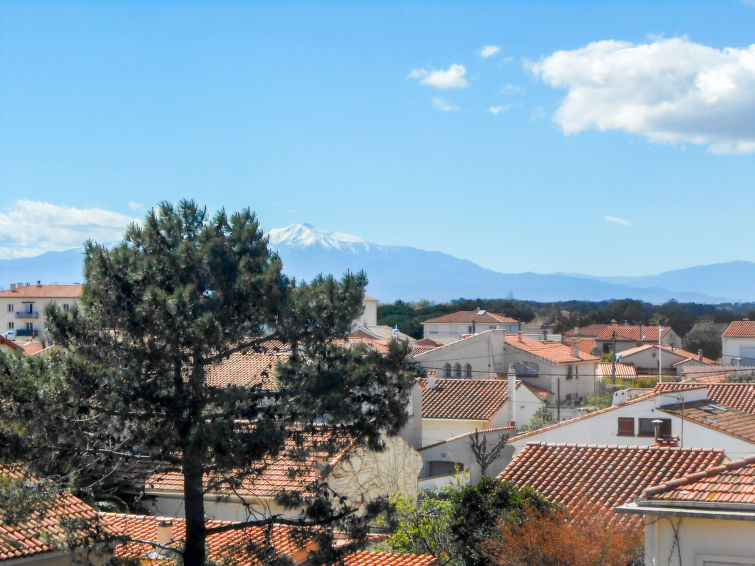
44,292
623,371
739,396
731,482
609,476
740,329
555,352
31,348
586,345
36,534
472,316
591,330
682,354
465,399
629,333
246,369
272,476
231,545
710,414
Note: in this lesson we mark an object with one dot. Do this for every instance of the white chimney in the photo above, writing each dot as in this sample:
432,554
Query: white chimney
700,355
512,394
13,287
432,379
164,531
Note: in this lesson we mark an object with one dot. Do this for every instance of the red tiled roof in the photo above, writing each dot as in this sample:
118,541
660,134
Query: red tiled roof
368,298
31,348
38,533
586,345
623,371
666,349
417,349
710,414
44,292
9,344
231,546
472,316
468,434
555,352
740,329
608,476
428,342
591,330
272,476
465,399
635,333
739,396
731,482
250,368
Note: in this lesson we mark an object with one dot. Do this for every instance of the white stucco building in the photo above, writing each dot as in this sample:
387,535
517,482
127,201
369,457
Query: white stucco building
451,327
702,519
22,308
738,343
688,418
369,314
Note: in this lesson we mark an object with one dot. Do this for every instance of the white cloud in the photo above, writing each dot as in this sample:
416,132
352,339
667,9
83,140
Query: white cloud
440,103
453,77
669,91
489,51
496,110
135,205
617,220
538,114
29,228
512,89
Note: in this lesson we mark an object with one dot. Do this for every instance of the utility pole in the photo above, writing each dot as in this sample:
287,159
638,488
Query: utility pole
660,374
558,399
613,361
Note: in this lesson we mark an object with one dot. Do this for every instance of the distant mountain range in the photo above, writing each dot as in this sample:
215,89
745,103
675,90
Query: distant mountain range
403,272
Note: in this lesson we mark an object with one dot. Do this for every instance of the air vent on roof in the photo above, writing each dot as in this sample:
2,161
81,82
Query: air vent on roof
718,408
480,312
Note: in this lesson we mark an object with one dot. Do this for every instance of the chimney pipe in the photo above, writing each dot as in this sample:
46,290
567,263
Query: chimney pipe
512,394
519,335
576,331
657,427
432,379
39,283
700,355
164,531
13,287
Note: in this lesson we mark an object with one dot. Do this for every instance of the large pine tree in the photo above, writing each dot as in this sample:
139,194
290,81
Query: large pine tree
181,293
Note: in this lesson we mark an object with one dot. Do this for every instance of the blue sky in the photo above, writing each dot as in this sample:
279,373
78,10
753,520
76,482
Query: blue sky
555,153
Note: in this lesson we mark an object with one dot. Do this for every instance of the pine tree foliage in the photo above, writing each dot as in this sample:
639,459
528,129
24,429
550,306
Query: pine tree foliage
128,386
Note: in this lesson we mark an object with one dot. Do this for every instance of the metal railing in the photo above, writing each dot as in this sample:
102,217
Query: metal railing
27,314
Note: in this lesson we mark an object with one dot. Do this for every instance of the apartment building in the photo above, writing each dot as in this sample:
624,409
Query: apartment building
22,307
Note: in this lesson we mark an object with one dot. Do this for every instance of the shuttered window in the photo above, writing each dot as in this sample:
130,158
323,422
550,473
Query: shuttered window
626,426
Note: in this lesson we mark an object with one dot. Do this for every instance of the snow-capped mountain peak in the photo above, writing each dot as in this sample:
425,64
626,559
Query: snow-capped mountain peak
306,235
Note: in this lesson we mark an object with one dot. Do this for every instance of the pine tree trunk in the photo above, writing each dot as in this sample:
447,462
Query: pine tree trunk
194,550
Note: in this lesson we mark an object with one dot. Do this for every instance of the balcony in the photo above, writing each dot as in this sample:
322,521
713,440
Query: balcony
33,333
27,314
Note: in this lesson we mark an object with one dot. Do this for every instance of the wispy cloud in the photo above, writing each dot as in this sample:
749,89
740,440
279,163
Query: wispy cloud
453,77
537,114
512,89
135,205
489,51
440,103
496,110
668,91
29,228
617,220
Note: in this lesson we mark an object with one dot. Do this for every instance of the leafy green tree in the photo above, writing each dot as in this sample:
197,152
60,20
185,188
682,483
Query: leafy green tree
540,419
181,293
457,524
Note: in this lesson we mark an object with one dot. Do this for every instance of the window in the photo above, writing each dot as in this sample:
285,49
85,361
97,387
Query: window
10,308
458,371
530,369
65,307
569,372
447,371
647,428
29,326
469,329
468,371
626,426
10,326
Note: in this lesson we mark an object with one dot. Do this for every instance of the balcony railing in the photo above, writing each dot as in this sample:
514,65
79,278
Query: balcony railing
26,332
27,314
